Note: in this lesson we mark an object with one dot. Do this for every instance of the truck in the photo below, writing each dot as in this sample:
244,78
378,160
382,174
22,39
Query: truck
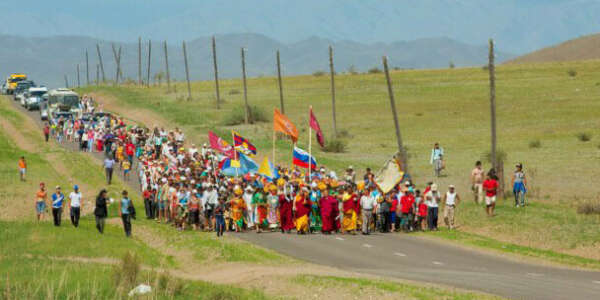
33,97
63,100
12,80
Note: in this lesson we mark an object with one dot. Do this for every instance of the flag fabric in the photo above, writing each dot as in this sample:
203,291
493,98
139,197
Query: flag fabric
282,124
266,169
243,144
389,175
301,159
314,124
220,145
246,165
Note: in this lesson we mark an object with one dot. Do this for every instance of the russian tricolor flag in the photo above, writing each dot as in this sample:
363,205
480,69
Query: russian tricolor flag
301,159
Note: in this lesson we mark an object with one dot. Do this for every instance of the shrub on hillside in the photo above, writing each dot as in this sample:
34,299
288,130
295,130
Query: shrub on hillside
584,137
589,208
374,70
344,133
237,116
572,73
535,144
318,73
125,274
334,145
234,92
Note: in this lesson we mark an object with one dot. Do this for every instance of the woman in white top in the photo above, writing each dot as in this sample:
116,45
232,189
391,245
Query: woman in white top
75,205
451,199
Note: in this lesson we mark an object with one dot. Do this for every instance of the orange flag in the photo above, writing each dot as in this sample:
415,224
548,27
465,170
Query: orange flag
283,124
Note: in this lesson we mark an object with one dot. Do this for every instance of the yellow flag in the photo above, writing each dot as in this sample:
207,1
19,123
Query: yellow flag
389,175
235,163
265,168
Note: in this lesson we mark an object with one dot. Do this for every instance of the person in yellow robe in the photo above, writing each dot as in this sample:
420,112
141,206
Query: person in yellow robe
238,206
349,211
302,207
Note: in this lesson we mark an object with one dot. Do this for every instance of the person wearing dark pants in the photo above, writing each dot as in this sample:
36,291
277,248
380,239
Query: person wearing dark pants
101,211
148,203
432,199
57,205
219,217
109,163
75,205
124,211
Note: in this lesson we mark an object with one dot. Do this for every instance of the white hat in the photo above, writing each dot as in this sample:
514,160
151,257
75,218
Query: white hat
164,180
248,188
314,185
192,181
183,178
434,187
407,182
350,167
451,186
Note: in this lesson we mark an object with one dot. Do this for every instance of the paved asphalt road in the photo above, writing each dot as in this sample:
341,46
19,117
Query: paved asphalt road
409,257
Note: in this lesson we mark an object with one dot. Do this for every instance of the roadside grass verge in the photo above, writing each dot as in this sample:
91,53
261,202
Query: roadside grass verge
388,289
46,279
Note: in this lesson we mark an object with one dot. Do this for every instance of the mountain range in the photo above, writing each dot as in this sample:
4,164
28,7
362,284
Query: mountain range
48,59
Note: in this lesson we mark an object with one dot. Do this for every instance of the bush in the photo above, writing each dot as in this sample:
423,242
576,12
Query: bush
334,145
374,70
318,73
572,73
237,116
344,133
535,144
126,273
589,208
234,92
584,137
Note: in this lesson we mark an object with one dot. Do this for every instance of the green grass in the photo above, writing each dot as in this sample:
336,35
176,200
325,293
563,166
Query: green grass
538,102
207,247
356,286
48,279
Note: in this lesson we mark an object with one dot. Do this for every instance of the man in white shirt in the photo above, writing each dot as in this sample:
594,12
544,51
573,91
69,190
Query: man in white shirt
210,199
250,213
75,205
368,202
451,200
432,199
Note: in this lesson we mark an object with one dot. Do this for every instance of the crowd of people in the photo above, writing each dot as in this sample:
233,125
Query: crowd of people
183,186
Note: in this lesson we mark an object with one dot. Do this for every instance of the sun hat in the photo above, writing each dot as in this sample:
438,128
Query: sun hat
434,187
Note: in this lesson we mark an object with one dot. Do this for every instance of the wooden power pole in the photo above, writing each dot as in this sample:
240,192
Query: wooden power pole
332,71
401,149
187,72
97,74
214,51
78,79
149,60
100,62
492,69
140,60
117,56
66,82
246,108
87,68
280,83
167,68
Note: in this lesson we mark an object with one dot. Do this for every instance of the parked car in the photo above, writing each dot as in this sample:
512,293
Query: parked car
44,110
22,87
34,97
4,88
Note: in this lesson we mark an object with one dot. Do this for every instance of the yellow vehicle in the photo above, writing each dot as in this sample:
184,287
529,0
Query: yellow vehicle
12,80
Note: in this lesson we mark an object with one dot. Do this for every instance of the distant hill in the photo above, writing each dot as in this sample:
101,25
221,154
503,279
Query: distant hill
47,60
583,48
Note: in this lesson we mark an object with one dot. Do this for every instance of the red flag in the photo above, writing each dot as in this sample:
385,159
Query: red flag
220,145
314,124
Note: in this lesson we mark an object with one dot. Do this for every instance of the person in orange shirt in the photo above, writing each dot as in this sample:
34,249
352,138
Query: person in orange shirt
41,197
22,168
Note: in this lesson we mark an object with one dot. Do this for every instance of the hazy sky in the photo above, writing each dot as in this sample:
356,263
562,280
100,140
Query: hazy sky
518,26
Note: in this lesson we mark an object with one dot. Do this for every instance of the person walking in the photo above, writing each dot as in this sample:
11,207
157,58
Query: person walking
46,132
451,200
75,205
519,183
22,168
477,183
125,212
109,164
437,159
368,203
41,197
219,211
57,205
490,185
101,210
432,199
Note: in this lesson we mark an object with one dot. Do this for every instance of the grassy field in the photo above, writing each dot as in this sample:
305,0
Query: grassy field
543,115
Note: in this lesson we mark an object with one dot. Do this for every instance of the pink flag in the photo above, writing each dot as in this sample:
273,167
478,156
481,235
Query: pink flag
314,124
220,145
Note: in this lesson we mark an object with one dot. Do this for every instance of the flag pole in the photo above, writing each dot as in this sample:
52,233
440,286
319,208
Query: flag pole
309,142
234,153
273,147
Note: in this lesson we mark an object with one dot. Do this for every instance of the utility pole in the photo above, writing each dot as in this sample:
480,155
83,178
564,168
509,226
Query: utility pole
66,82
100,62
492,69
117,56
247,109
78,80
167,68
279,82
149,56
97,74
87,68
332,71
214,51
140,60
187,72
401,149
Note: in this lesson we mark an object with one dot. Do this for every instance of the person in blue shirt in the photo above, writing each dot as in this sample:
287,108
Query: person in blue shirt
124,212
58,200
437,159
